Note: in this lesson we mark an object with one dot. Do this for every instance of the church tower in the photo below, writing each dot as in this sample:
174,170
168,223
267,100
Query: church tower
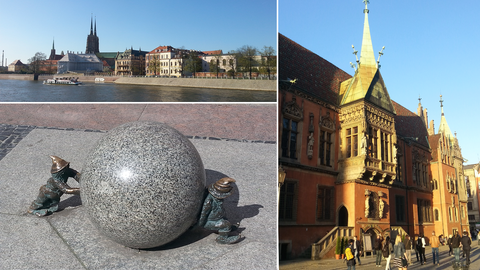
52,52
367,119
92,39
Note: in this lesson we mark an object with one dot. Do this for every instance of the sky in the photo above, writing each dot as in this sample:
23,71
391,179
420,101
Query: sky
30,26
431,49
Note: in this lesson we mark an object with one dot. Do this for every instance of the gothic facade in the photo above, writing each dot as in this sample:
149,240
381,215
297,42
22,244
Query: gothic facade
355,162
92,40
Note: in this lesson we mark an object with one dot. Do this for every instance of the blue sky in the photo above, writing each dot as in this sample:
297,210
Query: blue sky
431,49
27,27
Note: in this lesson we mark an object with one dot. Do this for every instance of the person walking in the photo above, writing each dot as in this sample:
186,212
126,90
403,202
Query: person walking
456,246
449,243
421,248
349,255
357,247
435,243
407,242
378,251
399,252
466,243
387,249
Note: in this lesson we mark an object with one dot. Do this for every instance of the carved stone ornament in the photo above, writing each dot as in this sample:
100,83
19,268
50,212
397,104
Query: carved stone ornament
310,140
327,122
292,110
352,114
380,208
380,119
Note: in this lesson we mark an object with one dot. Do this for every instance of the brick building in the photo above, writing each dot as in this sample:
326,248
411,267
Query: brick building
353,161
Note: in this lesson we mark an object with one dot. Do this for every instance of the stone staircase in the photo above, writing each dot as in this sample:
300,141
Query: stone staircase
322,247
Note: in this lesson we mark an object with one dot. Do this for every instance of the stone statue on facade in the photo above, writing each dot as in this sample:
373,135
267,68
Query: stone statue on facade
213,215
49,195
367,206
311,140
381,207
364,144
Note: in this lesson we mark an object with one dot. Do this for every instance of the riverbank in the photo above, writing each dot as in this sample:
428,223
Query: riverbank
237,84
212,83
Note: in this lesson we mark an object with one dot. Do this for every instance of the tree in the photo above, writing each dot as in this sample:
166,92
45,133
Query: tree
36,62
269,61
246,58
215,63
154,64
232,63
193,63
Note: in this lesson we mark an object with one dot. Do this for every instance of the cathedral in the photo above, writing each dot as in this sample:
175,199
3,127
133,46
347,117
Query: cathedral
92,39
353,162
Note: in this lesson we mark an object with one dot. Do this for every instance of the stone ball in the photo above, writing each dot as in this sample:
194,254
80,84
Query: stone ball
143,184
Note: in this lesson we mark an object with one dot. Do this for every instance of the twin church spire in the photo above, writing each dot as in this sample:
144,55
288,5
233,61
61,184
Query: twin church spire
92,39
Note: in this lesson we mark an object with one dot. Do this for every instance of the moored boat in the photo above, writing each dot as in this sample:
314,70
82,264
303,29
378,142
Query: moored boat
71,81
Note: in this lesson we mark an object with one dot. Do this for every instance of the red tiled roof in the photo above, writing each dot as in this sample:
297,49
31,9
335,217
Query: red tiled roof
409,124
161,48
434,141
213,52
314,75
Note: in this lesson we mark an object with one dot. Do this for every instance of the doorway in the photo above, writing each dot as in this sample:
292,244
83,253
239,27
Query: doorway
343,217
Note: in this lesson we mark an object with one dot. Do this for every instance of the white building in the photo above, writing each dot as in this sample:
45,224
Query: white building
79,63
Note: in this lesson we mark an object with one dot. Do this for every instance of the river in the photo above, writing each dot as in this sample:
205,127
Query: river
36,91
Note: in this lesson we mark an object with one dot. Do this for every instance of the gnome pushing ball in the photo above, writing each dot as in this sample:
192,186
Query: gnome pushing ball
213,214
49,195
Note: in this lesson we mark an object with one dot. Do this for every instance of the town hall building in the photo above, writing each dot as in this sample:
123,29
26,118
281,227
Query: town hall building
354,162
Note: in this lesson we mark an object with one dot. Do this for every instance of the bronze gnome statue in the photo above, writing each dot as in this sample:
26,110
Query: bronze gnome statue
49,195
213,215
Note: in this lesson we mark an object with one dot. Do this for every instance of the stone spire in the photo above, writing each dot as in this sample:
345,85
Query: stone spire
367,56
91,25
95,31
444,128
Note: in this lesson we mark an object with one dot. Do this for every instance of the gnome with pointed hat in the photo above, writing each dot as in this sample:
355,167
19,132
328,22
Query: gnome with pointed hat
213,215
49,195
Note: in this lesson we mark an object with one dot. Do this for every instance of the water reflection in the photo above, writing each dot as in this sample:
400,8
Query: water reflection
36,91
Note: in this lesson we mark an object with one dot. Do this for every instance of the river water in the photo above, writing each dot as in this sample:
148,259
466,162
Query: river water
36,91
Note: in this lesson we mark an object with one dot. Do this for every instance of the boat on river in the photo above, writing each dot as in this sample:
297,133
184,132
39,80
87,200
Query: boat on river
70,81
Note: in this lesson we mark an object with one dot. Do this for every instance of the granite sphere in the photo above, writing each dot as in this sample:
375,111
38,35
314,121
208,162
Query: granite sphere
143,184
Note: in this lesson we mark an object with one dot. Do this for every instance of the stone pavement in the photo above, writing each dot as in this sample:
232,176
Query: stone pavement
369,261
235,140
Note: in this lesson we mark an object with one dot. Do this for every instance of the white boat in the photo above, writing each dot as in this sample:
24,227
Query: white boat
71,81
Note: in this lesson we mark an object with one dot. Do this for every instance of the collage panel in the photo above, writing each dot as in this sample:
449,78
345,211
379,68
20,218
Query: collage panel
378,158
139,135
138,186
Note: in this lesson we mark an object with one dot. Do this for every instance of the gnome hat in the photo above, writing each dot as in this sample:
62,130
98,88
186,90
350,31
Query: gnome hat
58,164
221,189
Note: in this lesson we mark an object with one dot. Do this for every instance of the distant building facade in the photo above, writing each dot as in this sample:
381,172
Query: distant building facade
82,63
130,62
472,180
17,66
165,61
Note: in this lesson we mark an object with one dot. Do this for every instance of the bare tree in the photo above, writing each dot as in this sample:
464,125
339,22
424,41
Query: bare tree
37,62
232,62
269,60
193,63
246,59
154,64
215,63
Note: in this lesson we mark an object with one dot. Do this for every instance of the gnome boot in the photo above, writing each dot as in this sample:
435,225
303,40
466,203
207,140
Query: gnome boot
223,238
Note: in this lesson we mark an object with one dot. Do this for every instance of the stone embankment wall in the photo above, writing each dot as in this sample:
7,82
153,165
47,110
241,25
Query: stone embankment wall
88,78
26,77
238,84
